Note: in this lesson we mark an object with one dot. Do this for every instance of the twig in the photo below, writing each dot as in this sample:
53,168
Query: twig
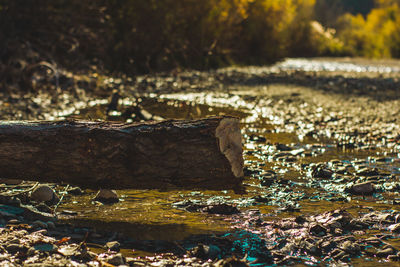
61,198
24,191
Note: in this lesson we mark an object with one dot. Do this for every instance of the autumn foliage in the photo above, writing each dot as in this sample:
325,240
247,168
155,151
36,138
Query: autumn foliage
136,36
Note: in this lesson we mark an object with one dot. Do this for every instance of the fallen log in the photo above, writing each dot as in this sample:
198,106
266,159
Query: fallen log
196,154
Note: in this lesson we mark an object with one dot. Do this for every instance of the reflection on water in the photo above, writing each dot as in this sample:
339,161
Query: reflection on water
150,215
329,65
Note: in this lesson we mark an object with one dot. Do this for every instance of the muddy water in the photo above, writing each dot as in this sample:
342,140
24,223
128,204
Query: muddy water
280,155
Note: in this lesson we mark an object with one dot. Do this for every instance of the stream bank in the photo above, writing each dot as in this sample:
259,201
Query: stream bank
321,171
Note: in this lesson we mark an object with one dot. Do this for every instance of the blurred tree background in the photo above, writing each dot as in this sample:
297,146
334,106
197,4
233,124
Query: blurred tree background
139,36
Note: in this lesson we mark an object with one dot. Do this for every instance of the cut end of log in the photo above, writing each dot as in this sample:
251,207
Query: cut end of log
230,144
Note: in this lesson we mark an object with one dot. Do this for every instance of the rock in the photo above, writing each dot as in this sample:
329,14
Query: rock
14,241
283,147
366,188
231,262
223,209
322,172
116,259
368,172
107,196
300,219
350,247
43,207
44,193
384,252
39,224
13,221
205,252
113,246
76,191
334,225
31,252
14,248
51,225
318,230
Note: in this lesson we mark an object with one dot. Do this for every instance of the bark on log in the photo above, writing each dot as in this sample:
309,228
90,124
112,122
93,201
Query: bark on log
205,153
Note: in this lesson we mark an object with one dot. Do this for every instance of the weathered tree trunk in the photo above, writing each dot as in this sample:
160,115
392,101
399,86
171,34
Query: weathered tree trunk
204,153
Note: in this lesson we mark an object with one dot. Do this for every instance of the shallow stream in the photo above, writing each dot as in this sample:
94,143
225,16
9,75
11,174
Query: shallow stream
282,175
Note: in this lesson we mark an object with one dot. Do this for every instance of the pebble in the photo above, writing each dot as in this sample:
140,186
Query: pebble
368,172
44,208
31,252
223,208
350,247
44,193
76,191
14,241
39,224
14,248
318,230
322,172
106,196
116,259
366,188
384,252
113,246
13,221
51,225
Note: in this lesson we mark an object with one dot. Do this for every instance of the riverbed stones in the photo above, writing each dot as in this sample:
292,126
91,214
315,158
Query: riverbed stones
44,193
106,196
342,117
366,188
368,172
116,259
39,224
395,228
322,172
113,246
385,252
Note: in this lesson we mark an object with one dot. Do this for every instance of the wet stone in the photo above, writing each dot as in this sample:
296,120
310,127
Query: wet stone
107,196
385,252
44,208
322,172
76,191
51,225
318,230
14,241
116,259
283,147
350,247
113,246
366,188
328,246
39,224
205,252
224,209
14,248
267,181
300,220
368,172
13,221
44,193
231,262
258,139
395,228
